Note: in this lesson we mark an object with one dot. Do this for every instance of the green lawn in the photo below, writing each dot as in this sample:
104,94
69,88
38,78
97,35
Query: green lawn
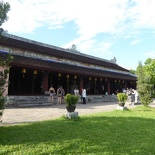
130,132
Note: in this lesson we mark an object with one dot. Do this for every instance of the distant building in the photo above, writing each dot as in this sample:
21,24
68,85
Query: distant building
36,66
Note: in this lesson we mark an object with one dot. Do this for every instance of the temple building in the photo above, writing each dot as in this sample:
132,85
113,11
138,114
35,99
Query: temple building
36,66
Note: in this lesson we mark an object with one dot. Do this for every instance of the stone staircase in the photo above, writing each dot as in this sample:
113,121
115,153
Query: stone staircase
27,101
32,101
101,98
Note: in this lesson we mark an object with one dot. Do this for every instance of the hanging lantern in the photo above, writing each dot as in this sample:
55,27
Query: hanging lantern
35,72
59,74
89,78
67,76
23,70
100,79
75,77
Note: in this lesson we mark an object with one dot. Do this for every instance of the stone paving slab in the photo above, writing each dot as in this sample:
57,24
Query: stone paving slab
14,116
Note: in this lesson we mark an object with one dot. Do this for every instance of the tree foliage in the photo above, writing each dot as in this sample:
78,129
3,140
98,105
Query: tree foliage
4,8
150,68
132,71
148,61
3,80
144,84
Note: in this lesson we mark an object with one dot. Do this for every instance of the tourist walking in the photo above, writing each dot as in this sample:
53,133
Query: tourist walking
62,95
84,95
81,96
59,95
130,95
76,92
135,94
52,92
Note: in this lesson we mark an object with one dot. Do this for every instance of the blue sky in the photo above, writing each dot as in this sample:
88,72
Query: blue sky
124,29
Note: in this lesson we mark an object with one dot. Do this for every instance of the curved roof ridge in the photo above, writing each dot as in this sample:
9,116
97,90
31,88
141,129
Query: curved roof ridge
54,47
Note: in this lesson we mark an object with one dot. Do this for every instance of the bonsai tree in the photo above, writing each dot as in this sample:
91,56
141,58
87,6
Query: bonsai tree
122,97
71,100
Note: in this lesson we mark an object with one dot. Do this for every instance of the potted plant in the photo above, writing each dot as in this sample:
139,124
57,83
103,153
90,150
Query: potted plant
122,98
71,101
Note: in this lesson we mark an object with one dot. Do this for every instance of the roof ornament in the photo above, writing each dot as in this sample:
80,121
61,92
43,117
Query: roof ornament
73,48
113,60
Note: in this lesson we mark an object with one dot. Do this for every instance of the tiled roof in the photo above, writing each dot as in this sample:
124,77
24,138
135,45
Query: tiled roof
42,48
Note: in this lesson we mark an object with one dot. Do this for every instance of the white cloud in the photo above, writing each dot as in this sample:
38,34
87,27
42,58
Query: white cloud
92,47
100,49
135,42
90,16
117,18
150,54
144,14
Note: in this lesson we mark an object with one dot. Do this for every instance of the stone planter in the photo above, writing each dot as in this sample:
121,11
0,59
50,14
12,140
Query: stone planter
71,108
72,115
121,104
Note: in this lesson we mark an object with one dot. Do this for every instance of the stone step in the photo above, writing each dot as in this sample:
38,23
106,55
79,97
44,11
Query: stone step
106,98
30,101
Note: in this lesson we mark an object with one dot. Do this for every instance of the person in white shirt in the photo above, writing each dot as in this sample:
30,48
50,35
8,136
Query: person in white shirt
135,93
76,92
136,96
84,95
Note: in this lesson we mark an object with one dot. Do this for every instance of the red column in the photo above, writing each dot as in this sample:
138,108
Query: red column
108,87
45,81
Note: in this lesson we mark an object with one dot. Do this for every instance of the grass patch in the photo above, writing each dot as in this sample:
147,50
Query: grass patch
127,132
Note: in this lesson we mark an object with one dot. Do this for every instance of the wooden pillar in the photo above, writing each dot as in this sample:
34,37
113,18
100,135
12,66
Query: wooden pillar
67,76
32,86
108,87
95,87
45,81
81,84
125,84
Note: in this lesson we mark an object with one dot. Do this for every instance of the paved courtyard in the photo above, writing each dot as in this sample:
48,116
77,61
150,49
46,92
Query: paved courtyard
14,116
